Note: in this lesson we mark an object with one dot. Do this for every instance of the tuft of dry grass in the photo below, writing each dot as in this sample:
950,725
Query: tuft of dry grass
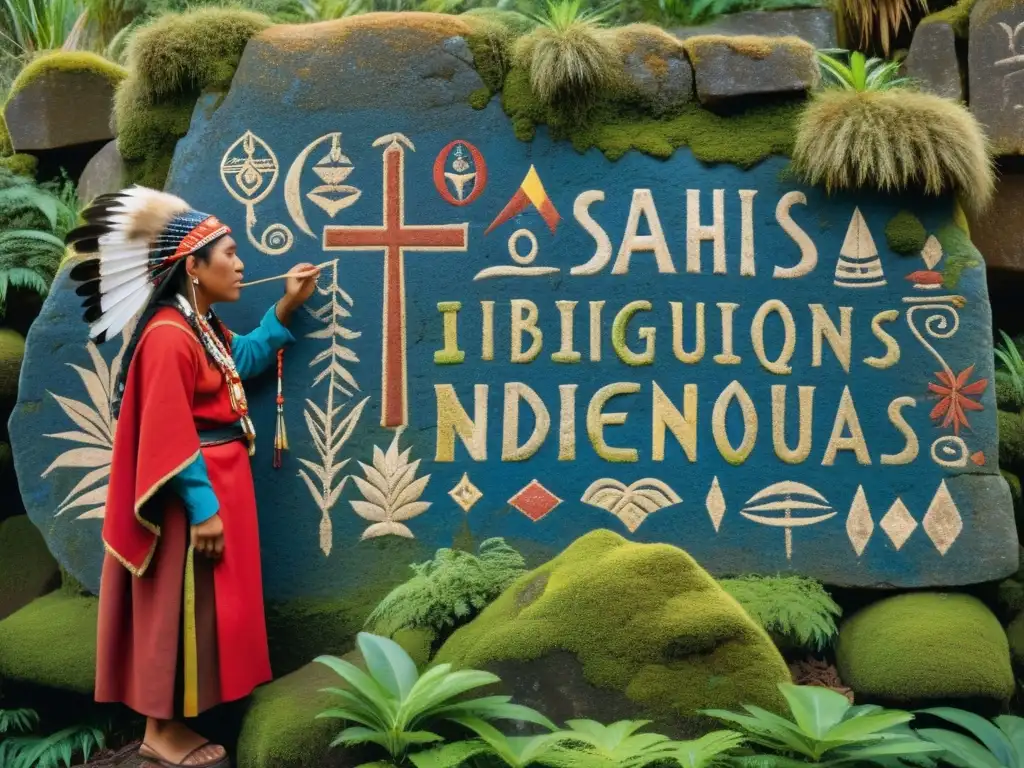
878,20
894,140
571,58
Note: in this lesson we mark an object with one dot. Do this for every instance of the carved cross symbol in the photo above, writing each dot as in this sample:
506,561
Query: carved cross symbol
394,237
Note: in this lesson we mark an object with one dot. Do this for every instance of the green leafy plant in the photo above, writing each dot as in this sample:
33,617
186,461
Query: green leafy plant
392,705
58,749
584,744
825,730
1009,355
996,744
448,590
29,26
693,12
793,608
33,223
861,73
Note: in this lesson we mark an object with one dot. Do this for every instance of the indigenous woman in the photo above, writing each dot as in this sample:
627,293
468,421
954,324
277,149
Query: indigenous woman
181,618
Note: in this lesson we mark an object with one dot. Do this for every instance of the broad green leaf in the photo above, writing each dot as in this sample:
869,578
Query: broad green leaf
865,726
449,755
894,748
962,747
982,729
816,710
1013,727
389,664
362,684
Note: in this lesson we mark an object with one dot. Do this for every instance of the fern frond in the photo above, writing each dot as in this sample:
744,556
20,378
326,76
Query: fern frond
19,720
448,590
796,607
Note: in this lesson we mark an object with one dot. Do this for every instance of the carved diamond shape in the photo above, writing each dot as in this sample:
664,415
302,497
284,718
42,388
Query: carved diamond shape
715,504
465,493
535,501
932,252
942,521
898,523
859,525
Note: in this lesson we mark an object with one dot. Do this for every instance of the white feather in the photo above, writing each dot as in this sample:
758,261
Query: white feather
116,288
113,321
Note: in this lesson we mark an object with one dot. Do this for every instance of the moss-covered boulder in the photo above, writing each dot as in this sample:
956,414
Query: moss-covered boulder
27,569
1007,396
51,642
612,629
1011,438
925,646
1015,637
655,67
62,99
12,352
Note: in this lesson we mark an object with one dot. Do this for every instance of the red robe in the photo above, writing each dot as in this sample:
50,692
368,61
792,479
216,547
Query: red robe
178,633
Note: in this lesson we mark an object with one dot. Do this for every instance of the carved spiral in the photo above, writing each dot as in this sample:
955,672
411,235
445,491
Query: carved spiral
949,451
942,322
276,239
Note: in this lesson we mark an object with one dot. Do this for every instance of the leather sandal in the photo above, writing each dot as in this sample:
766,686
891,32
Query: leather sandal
154,757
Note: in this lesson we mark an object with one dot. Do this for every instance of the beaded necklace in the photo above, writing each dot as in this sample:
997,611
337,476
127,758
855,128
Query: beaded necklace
223,360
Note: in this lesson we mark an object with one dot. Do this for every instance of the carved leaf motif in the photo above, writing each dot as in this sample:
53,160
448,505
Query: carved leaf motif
390,491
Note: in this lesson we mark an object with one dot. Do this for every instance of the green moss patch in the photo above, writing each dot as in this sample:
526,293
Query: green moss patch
12,352
1015,637
1007,398
1011,438
172,62
751,46
6,147
960,254
744,139
905,233
21,164
925,646
958,16
68,61
51,642
642,619
27,569
279,729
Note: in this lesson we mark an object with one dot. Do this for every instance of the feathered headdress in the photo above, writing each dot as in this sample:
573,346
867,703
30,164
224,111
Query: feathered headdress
133,240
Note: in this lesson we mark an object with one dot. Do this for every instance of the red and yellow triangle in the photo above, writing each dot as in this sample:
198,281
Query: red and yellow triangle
530,192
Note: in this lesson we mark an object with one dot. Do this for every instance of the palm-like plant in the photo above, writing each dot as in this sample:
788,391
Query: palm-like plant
29,26
392,705
998,744
878,19
58,749
826,730
1009,355
861,73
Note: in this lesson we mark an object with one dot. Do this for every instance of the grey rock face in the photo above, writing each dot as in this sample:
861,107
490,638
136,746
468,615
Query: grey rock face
932,61
60,109
996,63
815,25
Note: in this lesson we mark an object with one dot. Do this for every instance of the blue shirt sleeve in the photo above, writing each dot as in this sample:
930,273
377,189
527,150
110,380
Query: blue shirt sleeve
254,352
193,485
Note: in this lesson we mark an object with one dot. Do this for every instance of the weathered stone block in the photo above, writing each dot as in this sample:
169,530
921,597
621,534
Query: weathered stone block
60,109
1002,245
104,173
731,69
996,64
932,61
815,25
657,69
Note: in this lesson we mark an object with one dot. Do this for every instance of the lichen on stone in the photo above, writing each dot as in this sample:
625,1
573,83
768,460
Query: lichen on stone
751,46
905,233
21,164
958,16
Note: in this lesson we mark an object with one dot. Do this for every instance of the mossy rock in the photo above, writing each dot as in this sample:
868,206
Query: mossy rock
612,629
958,16
81,62
12,352
51,642
418,642
6,148
1011,438
172,61
27,569
926,646
905,233
280,729
1007,397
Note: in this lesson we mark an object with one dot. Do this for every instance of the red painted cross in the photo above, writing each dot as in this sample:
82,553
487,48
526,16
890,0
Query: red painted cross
394,238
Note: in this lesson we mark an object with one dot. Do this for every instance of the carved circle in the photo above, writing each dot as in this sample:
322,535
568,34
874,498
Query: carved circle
513,250
441,184
276,239
950,451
